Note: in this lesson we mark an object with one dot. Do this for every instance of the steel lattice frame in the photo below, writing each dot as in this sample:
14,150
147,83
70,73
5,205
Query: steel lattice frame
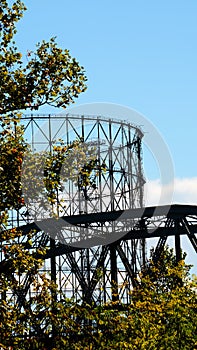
76,271
108,268
150,222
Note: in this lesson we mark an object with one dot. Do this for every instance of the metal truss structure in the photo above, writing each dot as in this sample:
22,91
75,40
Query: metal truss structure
111,273
120,187
97,246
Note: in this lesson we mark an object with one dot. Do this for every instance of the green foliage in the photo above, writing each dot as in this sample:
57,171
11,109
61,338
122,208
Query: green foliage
45,175
47,76
156,318
12,150
50,75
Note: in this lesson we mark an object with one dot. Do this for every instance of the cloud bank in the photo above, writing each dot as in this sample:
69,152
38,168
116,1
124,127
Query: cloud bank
184,191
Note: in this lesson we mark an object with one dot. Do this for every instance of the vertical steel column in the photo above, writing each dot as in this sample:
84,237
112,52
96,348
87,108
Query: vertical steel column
177,242
114,273
130,169
139,160
140,174
52,241
111,167
99,159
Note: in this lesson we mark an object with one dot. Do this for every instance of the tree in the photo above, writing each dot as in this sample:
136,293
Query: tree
46,174
50,76
161,315
164,309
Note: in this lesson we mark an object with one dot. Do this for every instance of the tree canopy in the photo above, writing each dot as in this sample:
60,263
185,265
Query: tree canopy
48,76
161,314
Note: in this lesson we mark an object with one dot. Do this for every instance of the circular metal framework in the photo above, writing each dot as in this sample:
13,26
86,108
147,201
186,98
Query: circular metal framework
120,187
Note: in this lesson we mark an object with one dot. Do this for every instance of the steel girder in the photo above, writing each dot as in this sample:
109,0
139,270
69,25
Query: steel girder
92,272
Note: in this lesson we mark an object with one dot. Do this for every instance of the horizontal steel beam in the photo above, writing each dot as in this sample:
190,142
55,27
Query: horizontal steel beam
133,234
173,211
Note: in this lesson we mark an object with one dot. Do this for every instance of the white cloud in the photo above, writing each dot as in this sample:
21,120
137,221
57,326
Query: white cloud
183,191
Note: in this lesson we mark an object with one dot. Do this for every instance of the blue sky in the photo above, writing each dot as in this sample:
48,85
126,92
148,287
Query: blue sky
140,54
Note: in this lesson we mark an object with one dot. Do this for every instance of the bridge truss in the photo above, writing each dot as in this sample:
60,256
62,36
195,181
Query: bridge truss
111,274
97,246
